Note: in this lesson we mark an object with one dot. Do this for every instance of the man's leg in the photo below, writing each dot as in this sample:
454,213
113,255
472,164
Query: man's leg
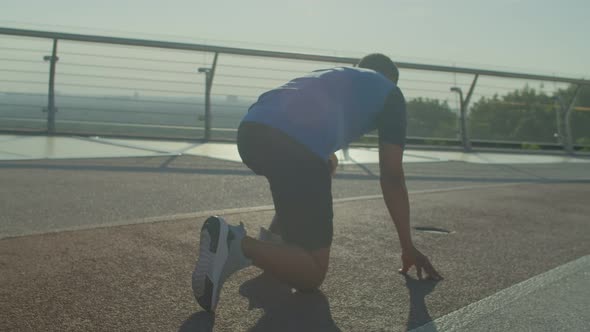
274,225
298,267
301,190
272,256
225,249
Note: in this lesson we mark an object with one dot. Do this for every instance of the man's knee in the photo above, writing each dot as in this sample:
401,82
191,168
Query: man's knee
311,289
311,282
321,257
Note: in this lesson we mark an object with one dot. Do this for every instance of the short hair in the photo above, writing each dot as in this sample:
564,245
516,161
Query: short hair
381,64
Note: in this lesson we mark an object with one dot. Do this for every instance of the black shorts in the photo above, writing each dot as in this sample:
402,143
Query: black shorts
300,183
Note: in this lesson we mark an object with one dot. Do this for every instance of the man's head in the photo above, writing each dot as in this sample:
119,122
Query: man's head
381,64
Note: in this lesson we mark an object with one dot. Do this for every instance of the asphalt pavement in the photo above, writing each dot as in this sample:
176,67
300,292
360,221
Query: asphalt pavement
110,244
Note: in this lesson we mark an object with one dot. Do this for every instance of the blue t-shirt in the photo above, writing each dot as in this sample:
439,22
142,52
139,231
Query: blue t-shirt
328,109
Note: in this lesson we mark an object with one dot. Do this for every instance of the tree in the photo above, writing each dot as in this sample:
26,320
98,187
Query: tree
580,118
431,118
520,115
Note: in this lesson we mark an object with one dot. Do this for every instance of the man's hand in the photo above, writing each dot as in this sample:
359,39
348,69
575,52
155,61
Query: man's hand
413,257
395,194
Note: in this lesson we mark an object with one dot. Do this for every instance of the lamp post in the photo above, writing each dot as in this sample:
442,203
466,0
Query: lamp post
463,120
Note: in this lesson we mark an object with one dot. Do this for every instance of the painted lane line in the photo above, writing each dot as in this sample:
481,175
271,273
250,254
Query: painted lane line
233,211
460,319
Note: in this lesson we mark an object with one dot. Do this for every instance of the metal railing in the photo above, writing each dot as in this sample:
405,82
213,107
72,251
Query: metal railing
137,87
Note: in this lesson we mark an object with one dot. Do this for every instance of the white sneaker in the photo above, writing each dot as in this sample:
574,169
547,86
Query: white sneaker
220,255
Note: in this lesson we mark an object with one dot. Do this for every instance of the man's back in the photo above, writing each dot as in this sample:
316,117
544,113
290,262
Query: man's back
326,109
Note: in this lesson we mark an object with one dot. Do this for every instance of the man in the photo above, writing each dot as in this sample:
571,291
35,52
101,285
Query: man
289,136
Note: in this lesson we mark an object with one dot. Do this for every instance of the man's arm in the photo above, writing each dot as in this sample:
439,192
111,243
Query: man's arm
393,185
395,194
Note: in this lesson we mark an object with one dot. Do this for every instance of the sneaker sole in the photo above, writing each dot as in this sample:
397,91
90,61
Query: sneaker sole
213,253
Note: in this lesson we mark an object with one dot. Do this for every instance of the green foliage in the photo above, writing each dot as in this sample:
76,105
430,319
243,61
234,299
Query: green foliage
584,142
580,120
521,115
568,93
431,118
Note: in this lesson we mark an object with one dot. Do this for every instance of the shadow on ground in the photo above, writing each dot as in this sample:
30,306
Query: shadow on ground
419,314
287,310
199,322
283,309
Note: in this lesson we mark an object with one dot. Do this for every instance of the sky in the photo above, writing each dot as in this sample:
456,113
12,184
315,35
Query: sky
530,36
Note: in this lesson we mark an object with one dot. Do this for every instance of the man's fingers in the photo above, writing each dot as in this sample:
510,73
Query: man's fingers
432,273
405,267
422,266
436,275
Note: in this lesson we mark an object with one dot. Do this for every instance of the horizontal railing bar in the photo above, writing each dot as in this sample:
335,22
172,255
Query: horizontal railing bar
496,141
21,60
129,68
24,119
126,112
127,100
247,97
253,77
110,87
500,102
23,71
245,107
476,140
22,82
104,56
30,50
242,86
142,79
20,105
445,139
426,90
262,68
273,54
119,124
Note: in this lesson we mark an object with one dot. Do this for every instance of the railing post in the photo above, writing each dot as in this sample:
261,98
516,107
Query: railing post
462,121
51,109
559,109
467,140
463,105
209,74
569,139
